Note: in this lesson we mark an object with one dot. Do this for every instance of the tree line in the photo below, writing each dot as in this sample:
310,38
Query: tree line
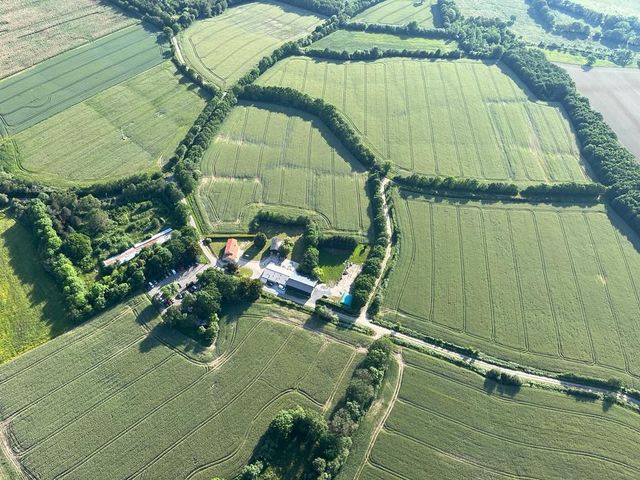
615,166
326,442
545,13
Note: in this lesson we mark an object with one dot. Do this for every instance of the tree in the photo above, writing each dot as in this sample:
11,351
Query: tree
77,246
285,249
309,261
98,221
260,240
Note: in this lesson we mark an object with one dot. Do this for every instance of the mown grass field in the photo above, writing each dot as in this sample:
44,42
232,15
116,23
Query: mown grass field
34,31
131,127
351,41
269,156
546,286
111,390
401,12
459,118
449,423
617,7
69,78
225,47
31,311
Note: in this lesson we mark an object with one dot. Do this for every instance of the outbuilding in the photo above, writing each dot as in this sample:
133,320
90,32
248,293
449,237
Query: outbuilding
275,275
231,251
300,286
276,243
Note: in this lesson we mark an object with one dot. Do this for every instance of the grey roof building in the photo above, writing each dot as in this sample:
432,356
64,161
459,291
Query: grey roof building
301,284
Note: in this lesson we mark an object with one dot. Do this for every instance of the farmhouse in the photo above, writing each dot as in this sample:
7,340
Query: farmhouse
299,285
276,243
275,274
231,251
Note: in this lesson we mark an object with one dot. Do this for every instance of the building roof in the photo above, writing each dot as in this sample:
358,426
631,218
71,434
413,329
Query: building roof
276,274
276,243
231,251
157,239
301,283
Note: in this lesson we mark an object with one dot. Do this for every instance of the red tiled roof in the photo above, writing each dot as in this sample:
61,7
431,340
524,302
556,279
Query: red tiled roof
231,250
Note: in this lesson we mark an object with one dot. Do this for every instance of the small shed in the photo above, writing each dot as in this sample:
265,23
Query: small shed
231,251
276,243
300,285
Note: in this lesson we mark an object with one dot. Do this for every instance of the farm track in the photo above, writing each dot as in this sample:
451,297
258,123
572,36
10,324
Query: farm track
463,292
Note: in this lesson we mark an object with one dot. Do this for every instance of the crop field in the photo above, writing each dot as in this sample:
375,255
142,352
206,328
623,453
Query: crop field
401,12
351,41
31,311
225,47
34,31
117,387
131,127
265,155
449,423
615,93
458,118
547,286
74,76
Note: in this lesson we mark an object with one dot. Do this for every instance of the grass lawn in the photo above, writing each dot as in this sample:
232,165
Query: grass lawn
459,118
617,7
129,128
553,287
268,157
74,76
574,59
332,262
31,32
31,310
161,404
225,47
401,12
350,41
449,423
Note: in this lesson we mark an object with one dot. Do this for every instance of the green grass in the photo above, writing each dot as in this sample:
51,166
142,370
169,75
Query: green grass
574,59
225,47
617,7
448,423
31,310
351,41
109,390
459,118
401,12
332,262
129,128
34,31
57,84
544,286
268,156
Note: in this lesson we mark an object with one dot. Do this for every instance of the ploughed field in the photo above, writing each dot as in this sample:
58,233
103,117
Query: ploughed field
31,310
458,118
225,47
282,160
614,92
552,287
31,32
401,12
126,129
351,41
112,399
450,423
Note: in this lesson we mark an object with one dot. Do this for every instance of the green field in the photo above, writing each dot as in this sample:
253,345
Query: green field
615,7
31,32
459,118
574,59
545,286
111,390
225,47
401,12
265,155
131,127
31,311
74,76
351,41
449,423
